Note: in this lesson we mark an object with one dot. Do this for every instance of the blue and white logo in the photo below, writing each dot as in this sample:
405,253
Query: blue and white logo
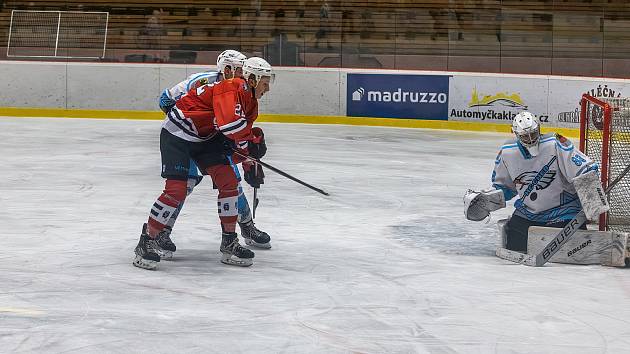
398,96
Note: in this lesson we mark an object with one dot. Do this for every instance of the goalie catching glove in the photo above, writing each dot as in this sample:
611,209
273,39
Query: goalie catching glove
478,205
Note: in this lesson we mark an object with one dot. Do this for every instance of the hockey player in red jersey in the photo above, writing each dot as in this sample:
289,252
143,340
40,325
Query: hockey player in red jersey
207,125
229,65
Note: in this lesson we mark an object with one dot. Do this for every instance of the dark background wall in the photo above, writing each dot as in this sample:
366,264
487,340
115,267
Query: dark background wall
572,37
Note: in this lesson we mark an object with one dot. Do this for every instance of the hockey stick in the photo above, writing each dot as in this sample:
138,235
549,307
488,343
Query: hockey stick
543,171
255,194
282,173
538,260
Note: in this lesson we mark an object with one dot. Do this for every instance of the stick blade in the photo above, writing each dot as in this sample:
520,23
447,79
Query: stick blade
518,257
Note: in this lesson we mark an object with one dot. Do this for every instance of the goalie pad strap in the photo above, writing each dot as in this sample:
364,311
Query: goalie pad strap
591,194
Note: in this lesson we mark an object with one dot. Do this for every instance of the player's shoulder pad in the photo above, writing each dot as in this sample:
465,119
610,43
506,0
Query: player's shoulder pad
510,144
226,85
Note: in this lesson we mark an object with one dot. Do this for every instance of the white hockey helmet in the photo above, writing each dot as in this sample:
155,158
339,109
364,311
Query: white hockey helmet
526,127
232,58
258,67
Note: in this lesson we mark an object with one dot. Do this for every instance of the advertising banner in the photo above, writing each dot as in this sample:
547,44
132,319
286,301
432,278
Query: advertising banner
565,95
398,96
496,99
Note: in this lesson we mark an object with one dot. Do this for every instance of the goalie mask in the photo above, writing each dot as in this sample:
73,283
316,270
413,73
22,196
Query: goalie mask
527,130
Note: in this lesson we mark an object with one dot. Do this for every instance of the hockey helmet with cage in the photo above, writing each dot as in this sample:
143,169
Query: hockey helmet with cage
232,58
258,67
526,127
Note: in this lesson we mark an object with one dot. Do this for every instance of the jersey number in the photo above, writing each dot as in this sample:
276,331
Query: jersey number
578,160
239,110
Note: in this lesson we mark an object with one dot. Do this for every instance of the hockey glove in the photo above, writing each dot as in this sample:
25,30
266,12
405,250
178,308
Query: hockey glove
166,103
254,175
229,146
257,147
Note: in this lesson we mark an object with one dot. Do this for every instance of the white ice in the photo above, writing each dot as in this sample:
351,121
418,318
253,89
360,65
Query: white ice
386,264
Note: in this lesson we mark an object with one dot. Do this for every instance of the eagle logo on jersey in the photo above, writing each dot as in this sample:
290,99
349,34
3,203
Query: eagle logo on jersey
525,178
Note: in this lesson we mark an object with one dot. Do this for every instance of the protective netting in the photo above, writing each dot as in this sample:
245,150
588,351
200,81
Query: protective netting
82,34
57,34
33,33
618,155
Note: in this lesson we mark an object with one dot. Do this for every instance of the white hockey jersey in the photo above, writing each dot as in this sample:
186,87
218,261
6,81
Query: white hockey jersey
192,81
543,183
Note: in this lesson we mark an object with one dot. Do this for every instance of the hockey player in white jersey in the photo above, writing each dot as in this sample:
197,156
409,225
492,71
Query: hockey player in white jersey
229,64
542,170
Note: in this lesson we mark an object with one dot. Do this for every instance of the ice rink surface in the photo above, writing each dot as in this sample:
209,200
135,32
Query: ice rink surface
386,264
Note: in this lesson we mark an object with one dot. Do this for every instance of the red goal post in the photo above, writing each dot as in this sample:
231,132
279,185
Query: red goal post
605,137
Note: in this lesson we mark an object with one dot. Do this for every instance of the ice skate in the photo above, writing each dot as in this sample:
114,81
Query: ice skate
254,237
166,246
147,256
233,253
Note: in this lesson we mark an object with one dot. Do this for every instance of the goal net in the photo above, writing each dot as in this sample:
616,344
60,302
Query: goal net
605,137
57,34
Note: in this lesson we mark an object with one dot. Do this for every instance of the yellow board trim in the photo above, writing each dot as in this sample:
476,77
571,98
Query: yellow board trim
281,118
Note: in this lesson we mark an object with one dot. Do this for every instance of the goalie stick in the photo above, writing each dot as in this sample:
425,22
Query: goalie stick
542,257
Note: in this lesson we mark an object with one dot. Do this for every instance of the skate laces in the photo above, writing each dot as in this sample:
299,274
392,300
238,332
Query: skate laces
250,230
231,246
164,239
152,245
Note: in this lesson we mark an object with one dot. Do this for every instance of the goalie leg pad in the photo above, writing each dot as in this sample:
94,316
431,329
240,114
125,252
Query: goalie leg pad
591,194
585,247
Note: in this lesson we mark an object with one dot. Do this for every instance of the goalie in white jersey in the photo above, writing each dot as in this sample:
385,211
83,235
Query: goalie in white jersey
540,170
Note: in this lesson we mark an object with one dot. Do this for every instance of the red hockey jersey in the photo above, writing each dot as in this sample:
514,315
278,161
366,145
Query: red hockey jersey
227,106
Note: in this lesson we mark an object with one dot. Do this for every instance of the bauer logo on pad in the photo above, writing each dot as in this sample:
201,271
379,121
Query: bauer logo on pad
398,96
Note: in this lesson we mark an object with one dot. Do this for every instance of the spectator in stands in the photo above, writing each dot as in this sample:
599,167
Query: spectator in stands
324,25
154,24
257,4
440,23
154,28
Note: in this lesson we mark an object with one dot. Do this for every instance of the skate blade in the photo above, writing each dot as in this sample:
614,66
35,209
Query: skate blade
144,264
239,262
253,243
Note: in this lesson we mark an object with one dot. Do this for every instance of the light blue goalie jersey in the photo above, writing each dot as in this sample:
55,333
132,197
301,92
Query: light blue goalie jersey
543,183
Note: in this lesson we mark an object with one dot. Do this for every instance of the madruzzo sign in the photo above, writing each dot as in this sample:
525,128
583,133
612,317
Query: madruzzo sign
398,96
